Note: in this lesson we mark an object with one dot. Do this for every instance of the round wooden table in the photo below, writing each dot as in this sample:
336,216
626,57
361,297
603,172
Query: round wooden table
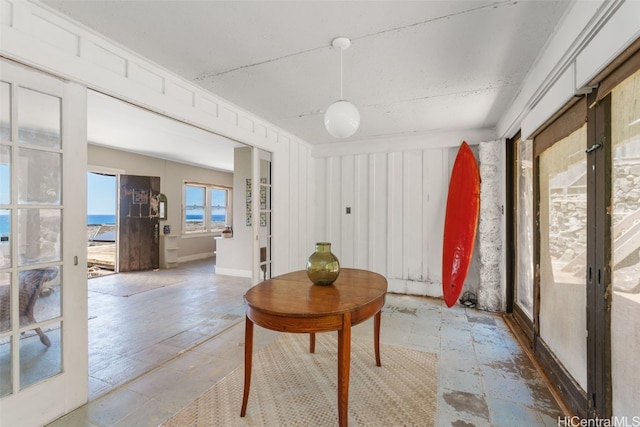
291,303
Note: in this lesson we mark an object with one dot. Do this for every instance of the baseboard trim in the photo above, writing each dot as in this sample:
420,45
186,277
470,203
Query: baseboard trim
233,272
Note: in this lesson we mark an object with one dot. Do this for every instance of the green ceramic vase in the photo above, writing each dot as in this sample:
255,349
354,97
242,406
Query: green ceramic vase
323,266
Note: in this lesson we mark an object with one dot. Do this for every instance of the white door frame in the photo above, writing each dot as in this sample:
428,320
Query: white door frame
114,172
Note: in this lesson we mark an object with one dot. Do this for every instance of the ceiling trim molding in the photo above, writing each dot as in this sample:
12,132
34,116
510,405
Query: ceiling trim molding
404,143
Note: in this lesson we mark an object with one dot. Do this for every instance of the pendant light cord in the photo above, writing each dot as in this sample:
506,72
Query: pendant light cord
341,98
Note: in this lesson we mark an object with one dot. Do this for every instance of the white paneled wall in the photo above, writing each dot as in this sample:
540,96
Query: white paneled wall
395,227
377,202
294,207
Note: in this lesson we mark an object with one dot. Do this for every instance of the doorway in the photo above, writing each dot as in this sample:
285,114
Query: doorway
102,220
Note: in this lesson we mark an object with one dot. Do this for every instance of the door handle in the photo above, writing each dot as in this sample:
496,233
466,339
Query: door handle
594,147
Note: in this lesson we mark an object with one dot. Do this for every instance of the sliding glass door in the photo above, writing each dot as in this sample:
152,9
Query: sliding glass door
625,244
584,307
563,257
524,217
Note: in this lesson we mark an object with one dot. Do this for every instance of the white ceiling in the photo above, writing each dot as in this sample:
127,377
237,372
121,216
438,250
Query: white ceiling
413,66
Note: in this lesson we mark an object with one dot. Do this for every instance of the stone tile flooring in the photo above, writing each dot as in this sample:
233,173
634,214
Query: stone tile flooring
153,352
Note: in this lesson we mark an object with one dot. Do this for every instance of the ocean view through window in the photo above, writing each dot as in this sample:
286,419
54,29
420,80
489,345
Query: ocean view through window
5,221
101,219
206,208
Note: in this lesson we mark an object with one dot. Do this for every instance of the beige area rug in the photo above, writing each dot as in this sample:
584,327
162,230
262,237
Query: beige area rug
291,387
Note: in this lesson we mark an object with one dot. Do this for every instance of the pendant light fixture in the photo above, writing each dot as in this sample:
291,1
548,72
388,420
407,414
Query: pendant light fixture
342,118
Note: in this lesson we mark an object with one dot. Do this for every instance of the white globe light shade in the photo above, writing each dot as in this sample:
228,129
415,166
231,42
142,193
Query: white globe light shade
342,119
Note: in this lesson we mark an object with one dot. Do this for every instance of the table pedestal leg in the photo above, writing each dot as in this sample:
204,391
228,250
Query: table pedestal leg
248,353
312,342
376,336
344,362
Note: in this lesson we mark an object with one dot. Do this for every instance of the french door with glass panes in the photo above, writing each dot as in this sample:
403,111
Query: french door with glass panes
261,170
586,247
43,284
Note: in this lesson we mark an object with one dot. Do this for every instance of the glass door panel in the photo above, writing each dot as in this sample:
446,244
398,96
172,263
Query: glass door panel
36,365
39,119
5,111
524,227
39,180
5,199
625,245
625,132
563,257
5,341
265,218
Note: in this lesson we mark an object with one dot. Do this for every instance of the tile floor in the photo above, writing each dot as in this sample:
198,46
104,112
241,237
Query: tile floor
155,351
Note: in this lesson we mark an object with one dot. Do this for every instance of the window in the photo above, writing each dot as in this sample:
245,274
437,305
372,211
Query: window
625,242
524,232
206,208
562,217
218,202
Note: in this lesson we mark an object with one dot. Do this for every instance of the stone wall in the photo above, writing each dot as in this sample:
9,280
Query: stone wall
490,243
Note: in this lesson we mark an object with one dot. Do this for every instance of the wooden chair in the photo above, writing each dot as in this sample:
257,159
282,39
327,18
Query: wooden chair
30,283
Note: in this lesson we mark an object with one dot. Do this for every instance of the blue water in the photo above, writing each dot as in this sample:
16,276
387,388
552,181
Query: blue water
103,220
4,224
198,217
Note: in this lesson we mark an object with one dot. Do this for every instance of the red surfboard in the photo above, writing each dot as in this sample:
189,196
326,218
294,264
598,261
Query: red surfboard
460,223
